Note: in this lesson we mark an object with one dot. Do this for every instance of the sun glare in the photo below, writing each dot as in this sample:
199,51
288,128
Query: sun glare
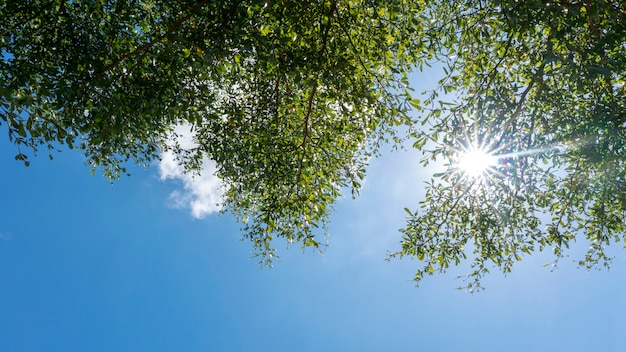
476,162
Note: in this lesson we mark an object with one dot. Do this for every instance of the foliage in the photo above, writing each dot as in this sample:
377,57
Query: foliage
540,85
290,99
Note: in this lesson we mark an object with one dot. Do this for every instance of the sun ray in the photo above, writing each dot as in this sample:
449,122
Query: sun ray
476,162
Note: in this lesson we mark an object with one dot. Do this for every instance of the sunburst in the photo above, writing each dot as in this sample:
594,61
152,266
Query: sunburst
476,162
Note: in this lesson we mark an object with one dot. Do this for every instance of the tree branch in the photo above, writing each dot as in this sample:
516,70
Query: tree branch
307,117
149,45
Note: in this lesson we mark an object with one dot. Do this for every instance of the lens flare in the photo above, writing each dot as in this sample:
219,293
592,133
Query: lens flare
476,162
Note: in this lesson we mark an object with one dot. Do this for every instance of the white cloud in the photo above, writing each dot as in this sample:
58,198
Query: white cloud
201,193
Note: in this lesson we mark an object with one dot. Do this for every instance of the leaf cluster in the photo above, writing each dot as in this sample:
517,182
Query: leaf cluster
289,98
541,85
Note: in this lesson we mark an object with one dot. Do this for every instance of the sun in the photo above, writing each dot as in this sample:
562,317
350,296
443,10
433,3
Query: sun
476,162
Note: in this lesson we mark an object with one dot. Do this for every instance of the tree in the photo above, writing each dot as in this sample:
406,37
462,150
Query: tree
290,99
540,89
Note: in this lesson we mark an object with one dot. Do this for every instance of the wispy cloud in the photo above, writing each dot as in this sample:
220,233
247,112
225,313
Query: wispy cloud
201,193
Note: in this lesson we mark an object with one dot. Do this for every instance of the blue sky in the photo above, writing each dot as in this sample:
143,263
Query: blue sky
86,266
90,267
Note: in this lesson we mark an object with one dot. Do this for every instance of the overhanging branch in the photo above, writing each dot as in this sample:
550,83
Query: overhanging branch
147,46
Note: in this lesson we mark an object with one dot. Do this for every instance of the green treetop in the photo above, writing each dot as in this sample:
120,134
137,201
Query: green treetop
290,99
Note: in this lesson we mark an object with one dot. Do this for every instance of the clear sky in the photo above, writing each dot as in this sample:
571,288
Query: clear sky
85,266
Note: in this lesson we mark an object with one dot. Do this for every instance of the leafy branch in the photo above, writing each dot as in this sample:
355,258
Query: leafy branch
147,46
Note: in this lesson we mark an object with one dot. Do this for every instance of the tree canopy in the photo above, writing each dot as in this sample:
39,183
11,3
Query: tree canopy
291,98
